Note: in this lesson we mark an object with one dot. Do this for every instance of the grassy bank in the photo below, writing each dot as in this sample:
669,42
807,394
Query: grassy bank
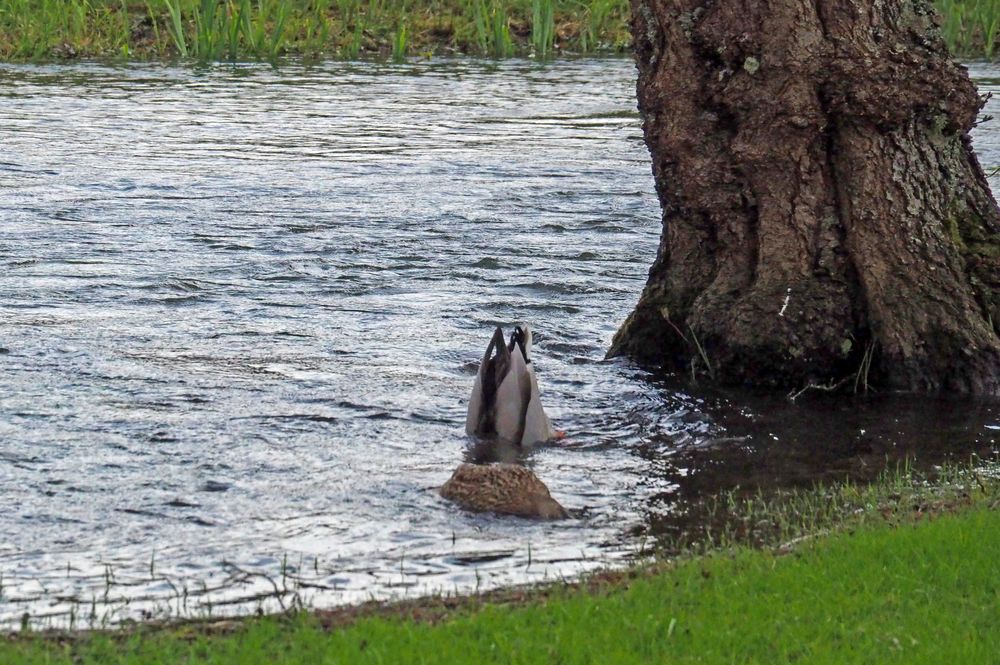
210,30
348,29
970,26
907,573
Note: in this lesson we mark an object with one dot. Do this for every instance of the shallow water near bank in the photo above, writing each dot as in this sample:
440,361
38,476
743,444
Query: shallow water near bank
241,309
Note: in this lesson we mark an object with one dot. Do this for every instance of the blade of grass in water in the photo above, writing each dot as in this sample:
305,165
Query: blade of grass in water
500,23
278,32
479,21
399,45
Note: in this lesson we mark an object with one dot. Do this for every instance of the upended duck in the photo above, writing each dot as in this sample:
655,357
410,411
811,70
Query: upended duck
505,402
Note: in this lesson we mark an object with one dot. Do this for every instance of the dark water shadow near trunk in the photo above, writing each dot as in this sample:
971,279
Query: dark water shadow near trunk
761,443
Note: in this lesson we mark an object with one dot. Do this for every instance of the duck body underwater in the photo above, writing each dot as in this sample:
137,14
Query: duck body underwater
505,402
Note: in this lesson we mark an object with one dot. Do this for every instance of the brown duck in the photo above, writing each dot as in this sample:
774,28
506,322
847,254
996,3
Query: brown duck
502,488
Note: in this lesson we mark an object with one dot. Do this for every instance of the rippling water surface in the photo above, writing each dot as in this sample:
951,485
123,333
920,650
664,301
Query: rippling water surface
241,309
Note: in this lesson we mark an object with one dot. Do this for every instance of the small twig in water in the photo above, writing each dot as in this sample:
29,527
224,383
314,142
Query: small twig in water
695,343
829,388
704,356
865,367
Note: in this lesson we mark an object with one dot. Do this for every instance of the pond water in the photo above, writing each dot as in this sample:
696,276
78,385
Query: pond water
241,309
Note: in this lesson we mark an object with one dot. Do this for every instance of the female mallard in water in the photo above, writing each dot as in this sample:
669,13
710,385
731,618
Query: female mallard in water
502,488
505,400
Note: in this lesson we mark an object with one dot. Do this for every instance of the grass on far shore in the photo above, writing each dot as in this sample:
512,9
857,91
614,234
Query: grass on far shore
210,30
214,30
907,573
970,27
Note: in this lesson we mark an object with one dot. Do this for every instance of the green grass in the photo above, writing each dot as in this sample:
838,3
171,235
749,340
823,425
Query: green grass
543,27
927,592
970,26
209,30
492,29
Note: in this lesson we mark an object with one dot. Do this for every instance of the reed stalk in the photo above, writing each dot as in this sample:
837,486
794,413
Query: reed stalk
542,27
399,45
176,26
492,29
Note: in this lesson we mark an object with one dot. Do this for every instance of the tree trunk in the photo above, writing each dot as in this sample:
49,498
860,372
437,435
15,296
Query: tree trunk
825,221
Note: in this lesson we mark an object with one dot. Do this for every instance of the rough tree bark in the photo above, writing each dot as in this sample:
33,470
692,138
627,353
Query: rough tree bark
825,220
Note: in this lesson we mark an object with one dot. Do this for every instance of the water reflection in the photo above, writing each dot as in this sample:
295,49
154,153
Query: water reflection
761,441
